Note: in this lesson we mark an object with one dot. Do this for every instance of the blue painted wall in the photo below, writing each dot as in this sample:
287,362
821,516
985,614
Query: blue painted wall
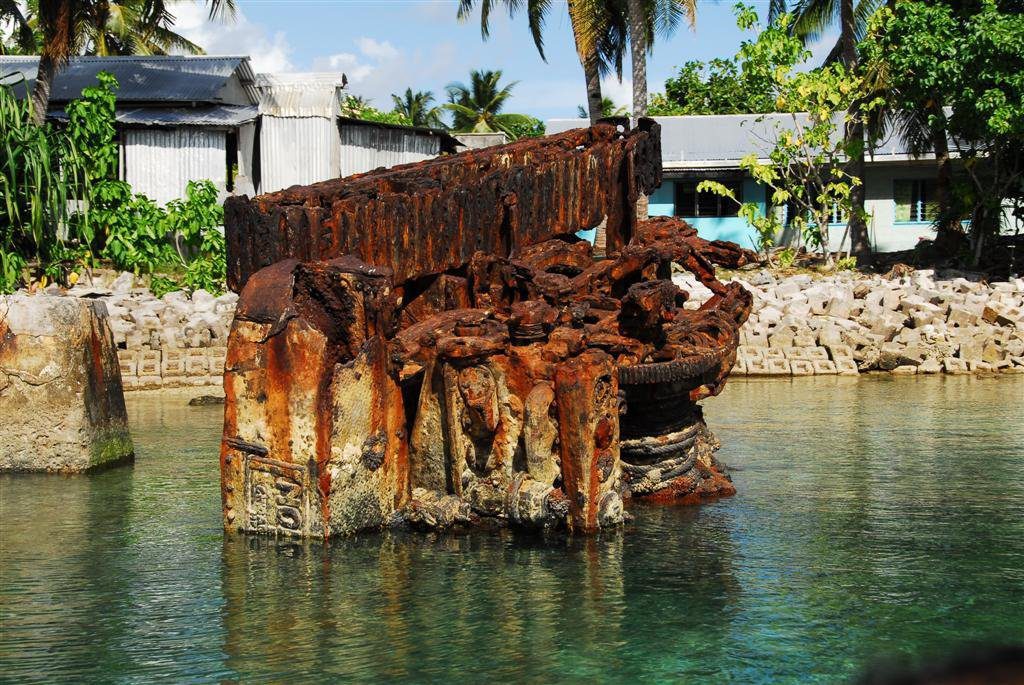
662,203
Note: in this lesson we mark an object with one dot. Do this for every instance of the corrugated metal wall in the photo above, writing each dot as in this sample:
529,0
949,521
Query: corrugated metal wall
160,162
364,148
297,151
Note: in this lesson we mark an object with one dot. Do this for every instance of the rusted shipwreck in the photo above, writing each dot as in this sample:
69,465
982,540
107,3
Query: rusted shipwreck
432,346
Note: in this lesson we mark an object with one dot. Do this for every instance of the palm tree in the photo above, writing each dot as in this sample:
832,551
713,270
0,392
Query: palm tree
608,109
23,40
416,108
643,20
67,25
477,107
123,27
598,55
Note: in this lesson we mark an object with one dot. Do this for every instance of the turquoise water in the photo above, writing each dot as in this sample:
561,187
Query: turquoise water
877,519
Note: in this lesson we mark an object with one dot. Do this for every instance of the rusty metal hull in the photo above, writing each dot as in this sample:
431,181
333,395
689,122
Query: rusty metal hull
503,376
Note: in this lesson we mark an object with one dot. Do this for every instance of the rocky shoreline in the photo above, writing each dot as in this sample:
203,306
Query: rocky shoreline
178,340
851,323
801,325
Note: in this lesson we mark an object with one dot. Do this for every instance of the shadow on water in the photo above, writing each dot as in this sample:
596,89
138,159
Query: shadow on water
876,520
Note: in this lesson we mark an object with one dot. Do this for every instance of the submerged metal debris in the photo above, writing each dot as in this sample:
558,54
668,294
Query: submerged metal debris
431,345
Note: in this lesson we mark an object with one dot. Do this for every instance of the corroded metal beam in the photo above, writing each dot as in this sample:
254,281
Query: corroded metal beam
525,383
425,218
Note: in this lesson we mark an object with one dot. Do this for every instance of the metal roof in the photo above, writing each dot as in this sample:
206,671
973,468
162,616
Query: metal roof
154,79
210,116
448,142
316,94
722,140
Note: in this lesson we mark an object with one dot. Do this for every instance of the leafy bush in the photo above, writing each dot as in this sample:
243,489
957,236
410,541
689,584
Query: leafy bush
358,108
62,206
41,172
847,263
529,127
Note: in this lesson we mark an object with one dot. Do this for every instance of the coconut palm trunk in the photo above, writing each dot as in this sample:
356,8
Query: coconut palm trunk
949,237
591,65
638,56
56,18
860,243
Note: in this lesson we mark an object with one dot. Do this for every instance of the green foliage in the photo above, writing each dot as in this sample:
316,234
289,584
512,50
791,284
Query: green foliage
41,173
62,204
416,108
805,169
195,222
847,263
608,109
476,107
529,127
786,257
144,238
359,108
91,127
744,84
960,67
133,225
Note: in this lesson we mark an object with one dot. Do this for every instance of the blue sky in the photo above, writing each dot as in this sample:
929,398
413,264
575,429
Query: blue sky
385,46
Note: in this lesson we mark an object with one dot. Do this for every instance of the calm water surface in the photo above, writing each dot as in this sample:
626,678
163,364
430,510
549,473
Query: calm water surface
876,519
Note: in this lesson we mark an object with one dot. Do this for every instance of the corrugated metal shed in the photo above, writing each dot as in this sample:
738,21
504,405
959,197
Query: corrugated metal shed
160,162
178,79
297,151
367,145
228,116
316,94
364,148
298,129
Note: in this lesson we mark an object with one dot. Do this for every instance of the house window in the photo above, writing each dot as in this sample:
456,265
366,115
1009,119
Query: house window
915,200
690,203
837,215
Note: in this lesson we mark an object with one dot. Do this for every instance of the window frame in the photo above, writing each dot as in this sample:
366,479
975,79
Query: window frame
924,190
731,209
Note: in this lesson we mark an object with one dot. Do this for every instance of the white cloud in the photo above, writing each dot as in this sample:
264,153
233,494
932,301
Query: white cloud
379,50
376,69
269,52
621,92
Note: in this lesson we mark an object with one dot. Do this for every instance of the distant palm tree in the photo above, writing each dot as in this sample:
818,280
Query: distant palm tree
416,108
608,109
477,107
603,21
67,26
599,54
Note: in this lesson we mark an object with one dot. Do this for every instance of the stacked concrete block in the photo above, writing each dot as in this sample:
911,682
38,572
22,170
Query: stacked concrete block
176,340
931,323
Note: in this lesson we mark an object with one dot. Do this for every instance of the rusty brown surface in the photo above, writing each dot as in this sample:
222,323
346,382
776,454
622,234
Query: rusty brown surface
527,383
425,218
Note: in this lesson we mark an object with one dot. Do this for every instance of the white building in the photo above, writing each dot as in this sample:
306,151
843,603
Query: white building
186,118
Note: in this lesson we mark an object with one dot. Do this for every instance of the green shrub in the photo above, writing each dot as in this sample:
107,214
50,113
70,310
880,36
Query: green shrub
62,207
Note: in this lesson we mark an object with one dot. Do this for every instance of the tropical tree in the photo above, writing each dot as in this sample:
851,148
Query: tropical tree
811,19
599,32
416,107
608,109
644,19
65,27
959,67
476,107
22,38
